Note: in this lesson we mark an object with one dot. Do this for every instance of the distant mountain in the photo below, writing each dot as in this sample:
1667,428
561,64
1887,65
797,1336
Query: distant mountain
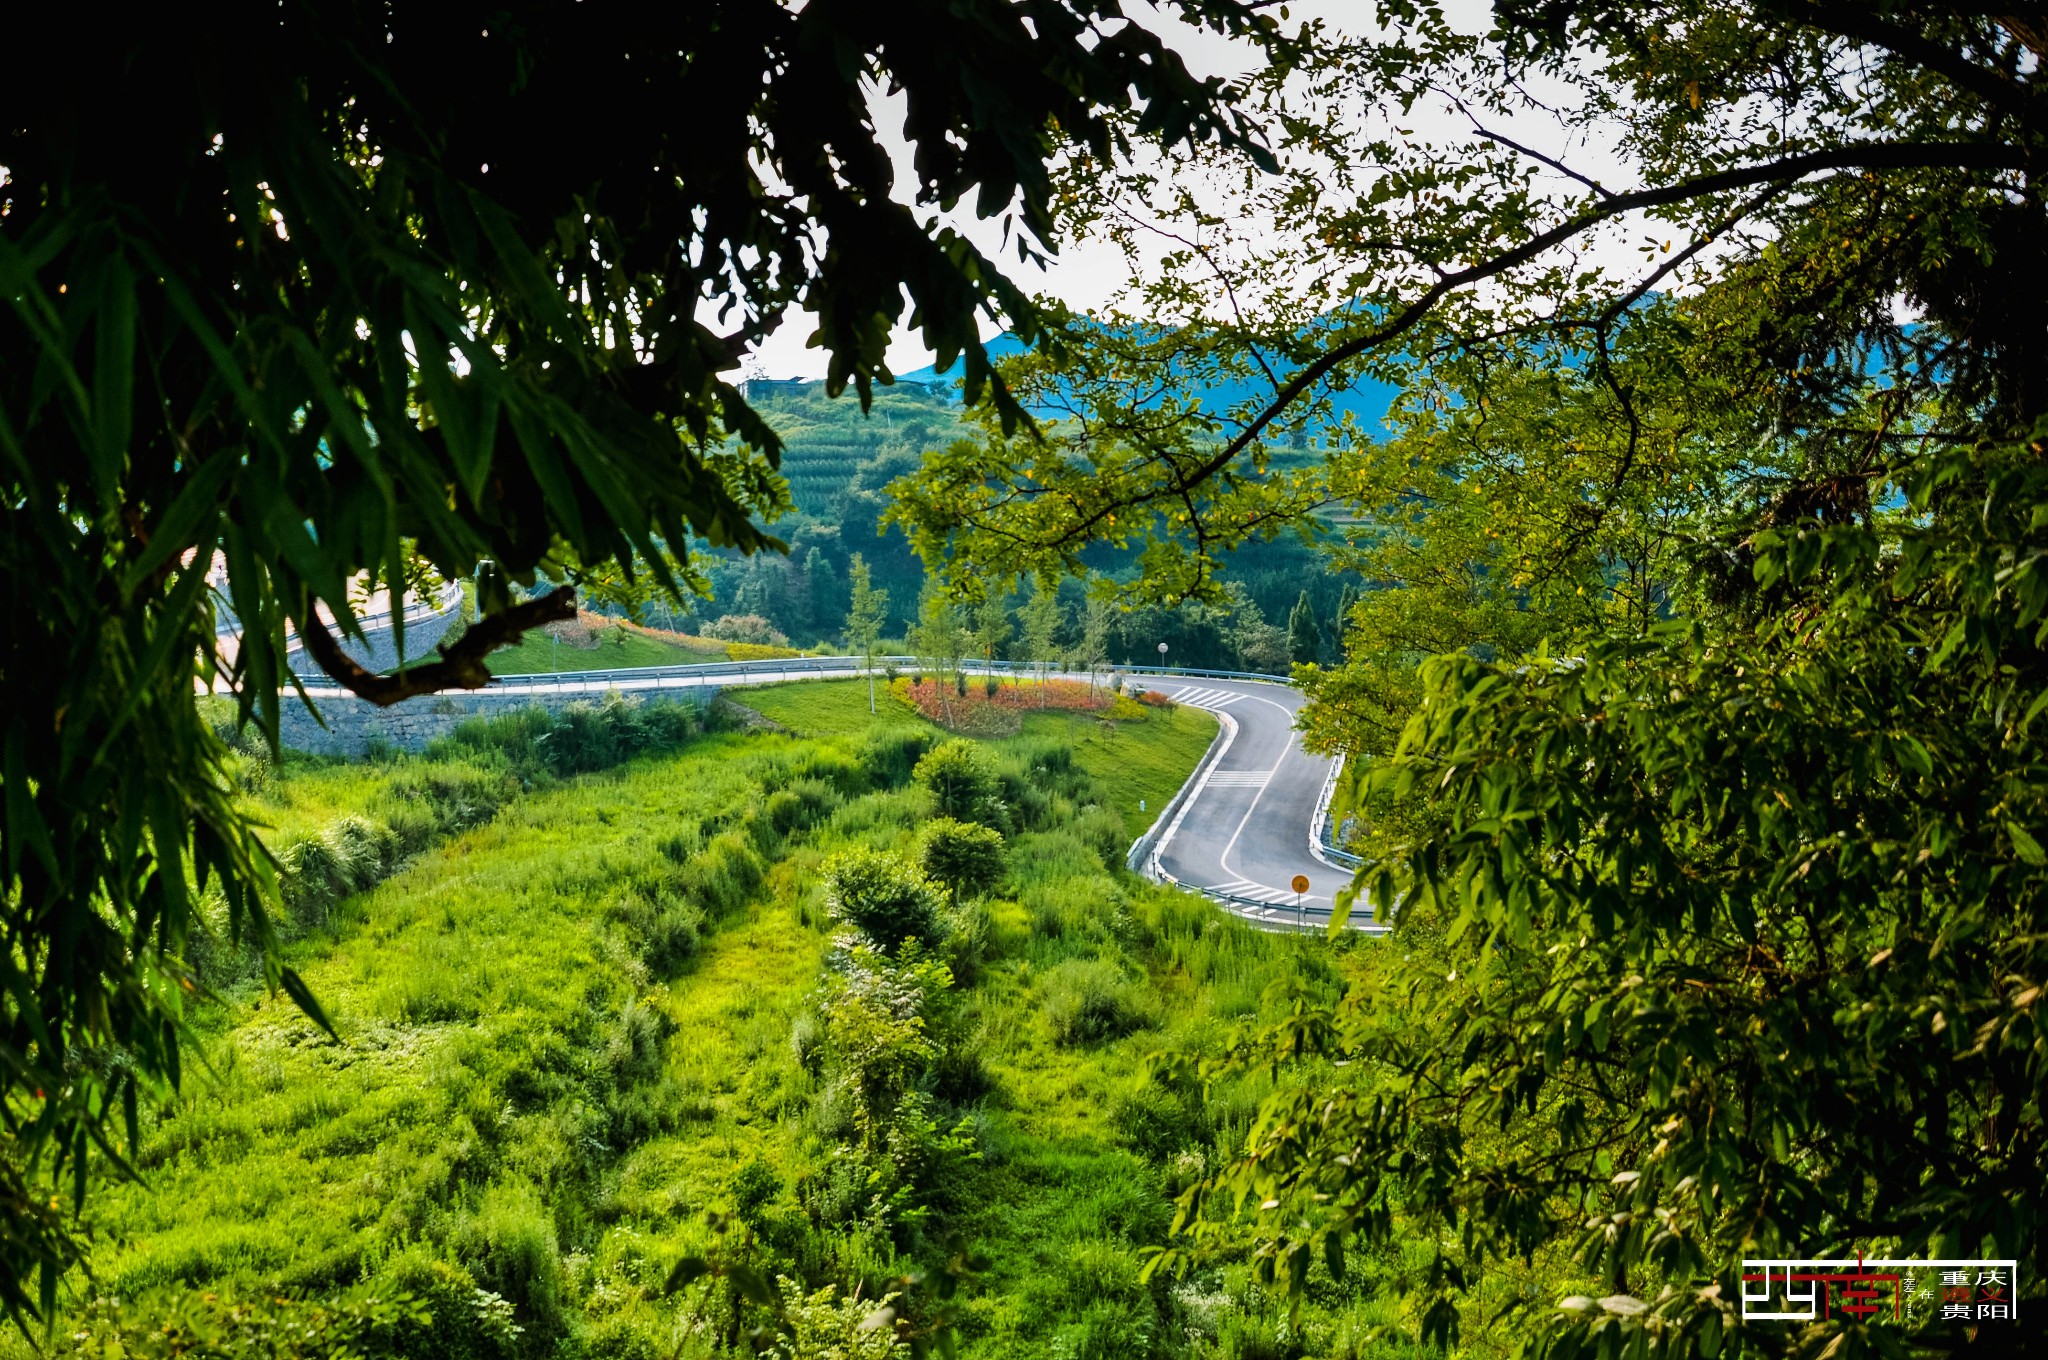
1368,400
1003,346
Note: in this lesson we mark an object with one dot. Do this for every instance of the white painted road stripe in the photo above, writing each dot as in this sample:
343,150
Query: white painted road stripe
1258,892
1204,698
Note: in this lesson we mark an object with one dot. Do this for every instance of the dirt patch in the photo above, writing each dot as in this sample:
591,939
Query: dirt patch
742,716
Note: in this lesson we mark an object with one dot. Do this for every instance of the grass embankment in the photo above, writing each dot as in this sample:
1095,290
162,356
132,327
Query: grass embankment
615,648
613,1082
1132,763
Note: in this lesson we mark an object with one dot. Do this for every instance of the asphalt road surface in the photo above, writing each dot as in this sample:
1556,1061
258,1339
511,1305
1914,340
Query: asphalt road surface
1243,833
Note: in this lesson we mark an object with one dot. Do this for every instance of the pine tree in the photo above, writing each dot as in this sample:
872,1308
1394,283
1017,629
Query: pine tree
1340,626
1304,634
828,607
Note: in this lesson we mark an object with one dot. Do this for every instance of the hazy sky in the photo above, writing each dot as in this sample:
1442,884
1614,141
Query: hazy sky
1086,274
1089,274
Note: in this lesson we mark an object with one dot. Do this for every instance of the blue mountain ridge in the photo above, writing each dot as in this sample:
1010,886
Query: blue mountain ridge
1368,400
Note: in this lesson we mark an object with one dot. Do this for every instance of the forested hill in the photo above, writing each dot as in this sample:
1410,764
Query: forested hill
838,462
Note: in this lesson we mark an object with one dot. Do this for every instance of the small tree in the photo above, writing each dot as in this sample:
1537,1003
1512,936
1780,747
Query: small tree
963,857
1040,620
991,631
962,781
883,897
1095,638
1304,634
869,609
1341,622
938,639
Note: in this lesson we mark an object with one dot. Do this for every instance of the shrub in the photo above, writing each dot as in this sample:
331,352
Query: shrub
1152,698
663,932
888,757
799,807
1102,830
746,628
637,1046
754,1187
259,1325
350,856
1090,999
969,934
962,782
964,857
884,898
759,651
725,875
822,1324
1156,1123
509,1244
443,797
583,737
462,1322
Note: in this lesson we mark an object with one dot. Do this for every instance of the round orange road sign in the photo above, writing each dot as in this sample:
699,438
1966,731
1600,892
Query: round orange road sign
1301,883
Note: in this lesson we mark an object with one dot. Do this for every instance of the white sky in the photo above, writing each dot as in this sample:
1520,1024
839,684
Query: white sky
1090,274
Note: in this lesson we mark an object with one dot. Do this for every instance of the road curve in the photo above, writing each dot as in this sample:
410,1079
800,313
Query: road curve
1242,831
1239,832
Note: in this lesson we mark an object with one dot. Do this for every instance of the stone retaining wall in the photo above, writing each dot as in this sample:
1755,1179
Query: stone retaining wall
378,648
354,725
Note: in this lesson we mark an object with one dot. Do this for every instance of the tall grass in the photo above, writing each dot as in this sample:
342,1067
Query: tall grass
607,1062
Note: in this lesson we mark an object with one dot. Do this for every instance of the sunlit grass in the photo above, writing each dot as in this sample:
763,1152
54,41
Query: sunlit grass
569,1035
617,649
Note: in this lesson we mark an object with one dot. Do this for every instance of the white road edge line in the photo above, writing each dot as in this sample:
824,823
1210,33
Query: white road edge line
1229,725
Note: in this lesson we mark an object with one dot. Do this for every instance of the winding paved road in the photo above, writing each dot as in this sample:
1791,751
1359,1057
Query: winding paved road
1239,832
1243,830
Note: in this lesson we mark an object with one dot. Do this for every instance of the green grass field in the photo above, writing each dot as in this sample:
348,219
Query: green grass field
1133,763
609,1073
538,654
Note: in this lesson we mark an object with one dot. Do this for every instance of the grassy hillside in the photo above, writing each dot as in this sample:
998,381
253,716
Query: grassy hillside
613,1081
1130,763
617,649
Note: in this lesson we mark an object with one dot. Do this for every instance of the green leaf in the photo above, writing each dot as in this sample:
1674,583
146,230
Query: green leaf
179,525
113,377
302,997
2024,844
751,1285
685,1272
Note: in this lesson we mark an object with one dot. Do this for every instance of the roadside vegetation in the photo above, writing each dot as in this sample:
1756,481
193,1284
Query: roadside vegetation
654,1040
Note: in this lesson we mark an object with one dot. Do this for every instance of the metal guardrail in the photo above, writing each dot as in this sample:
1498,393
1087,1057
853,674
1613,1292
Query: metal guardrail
227,621
1142,857
1321,842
